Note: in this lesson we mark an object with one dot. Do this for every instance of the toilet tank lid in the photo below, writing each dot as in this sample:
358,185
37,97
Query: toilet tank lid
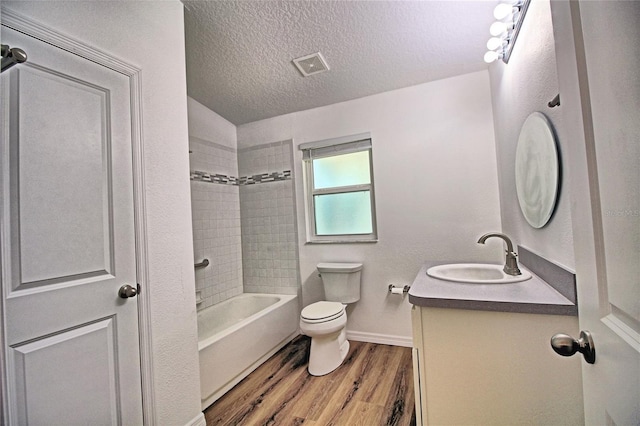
339,267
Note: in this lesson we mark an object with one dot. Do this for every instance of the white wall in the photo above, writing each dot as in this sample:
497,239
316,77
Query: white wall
150,35
206,124
435,182
524,85
215,207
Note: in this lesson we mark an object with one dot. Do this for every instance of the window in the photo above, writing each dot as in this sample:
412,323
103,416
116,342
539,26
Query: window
339,190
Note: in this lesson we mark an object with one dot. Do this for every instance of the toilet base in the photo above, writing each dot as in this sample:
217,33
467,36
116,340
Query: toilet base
327,352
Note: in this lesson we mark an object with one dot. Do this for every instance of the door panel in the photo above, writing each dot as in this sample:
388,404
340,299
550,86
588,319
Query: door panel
61,163
68,240
46,360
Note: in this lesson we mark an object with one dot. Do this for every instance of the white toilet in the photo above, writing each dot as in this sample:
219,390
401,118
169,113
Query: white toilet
325,321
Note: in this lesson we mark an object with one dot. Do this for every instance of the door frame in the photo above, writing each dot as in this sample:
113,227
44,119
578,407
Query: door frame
50,36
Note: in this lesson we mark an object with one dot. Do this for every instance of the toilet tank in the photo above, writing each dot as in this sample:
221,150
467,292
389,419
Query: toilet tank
341,281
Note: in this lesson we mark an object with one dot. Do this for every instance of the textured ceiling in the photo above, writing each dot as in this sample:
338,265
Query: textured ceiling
239,52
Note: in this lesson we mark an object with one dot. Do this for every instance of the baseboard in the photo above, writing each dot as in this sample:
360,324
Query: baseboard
198,420
384,339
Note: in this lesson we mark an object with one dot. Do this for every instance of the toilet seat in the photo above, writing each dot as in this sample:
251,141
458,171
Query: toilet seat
322,312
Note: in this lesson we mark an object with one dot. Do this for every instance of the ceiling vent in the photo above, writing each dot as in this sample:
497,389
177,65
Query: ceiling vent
311,64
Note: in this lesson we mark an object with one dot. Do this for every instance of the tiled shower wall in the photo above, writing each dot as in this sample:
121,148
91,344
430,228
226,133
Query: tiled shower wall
243,219
216,221
269,239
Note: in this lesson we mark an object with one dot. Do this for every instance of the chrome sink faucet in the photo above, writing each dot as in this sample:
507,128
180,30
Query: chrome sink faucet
511,263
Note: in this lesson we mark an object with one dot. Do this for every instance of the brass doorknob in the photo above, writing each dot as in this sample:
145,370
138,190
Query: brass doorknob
565,345
127,291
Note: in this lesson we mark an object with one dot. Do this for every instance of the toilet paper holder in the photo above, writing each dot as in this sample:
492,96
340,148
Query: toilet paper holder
405,289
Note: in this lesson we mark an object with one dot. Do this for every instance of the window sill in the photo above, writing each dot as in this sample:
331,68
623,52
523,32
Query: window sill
341,241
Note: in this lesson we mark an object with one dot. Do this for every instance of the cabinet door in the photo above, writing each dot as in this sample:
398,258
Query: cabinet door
418,362
490,368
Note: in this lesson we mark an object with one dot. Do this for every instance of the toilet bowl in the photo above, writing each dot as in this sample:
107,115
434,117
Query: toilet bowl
325,323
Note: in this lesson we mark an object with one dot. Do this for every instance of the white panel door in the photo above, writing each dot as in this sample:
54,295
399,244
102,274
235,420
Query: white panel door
68,241
603,111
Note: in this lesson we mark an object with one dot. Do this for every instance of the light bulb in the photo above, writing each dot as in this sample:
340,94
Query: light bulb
502,11
491,56
495,43
497,29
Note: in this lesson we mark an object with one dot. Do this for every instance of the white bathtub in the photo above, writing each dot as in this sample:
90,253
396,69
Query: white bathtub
239,334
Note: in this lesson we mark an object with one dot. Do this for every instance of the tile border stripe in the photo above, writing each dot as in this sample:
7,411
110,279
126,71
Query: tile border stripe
198,176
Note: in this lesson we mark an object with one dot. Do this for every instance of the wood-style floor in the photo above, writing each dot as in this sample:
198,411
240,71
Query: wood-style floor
374,386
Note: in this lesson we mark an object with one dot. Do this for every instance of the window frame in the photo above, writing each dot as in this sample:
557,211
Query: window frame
332,148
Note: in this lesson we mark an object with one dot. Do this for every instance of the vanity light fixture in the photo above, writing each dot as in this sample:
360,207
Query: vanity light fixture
509,15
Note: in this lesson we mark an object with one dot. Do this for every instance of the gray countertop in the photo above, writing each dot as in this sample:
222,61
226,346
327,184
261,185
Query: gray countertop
531,296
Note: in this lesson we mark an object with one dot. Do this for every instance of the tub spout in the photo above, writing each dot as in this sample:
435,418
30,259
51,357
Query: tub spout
511,263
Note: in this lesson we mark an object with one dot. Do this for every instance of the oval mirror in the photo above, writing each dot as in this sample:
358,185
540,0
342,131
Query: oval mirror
537,170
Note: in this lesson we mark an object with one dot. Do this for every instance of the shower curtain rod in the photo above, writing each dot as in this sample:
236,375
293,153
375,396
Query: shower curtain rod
11,57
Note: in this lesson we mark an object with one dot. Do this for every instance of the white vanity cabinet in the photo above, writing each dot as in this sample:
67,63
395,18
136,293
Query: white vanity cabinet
491,368
481,366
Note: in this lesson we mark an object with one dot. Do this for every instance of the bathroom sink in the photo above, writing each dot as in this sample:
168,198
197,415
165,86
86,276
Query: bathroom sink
477,273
